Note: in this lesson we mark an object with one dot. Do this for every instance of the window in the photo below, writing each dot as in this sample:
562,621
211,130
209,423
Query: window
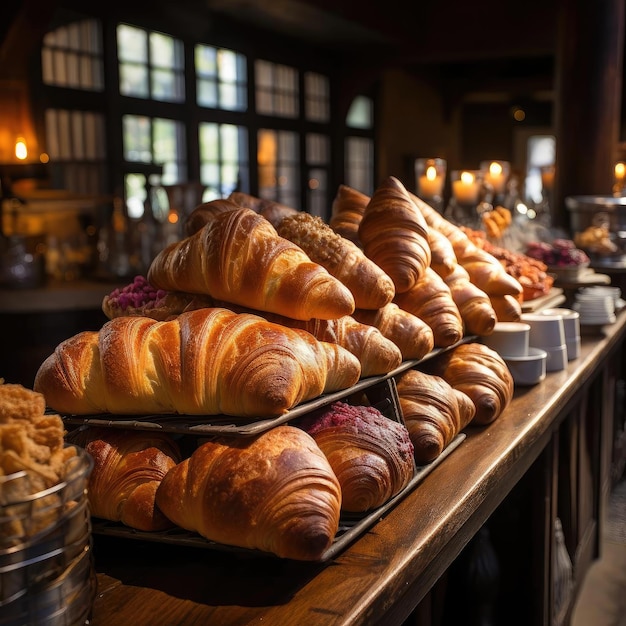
540,152
224,159
276,89
359,150
318,163
150,65
279,166
317,97
221,81
71,56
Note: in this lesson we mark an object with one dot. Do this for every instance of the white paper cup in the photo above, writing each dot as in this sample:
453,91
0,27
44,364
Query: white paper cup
509,338
546,331
573,348
529,369
557,358
571,328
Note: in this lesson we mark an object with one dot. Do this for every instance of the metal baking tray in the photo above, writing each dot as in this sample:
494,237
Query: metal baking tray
351,526
229,425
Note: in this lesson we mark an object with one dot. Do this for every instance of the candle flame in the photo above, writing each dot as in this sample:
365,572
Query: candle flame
467,178
495,169
21,151
431,172
620,170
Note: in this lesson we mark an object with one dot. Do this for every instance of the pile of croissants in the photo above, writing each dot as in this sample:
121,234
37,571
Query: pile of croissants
261,308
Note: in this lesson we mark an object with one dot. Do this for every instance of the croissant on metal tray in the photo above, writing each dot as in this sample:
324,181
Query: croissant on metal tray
371,455
480,373
128,467
394,234
430,299
368,283
239,257
273,492
209,361
434,412
412,335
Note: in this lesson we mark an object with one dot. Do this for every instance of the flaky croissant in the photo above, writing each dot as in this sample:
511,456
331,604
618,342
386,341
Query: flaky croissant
434,412
443,259
208,361
272,211
369,284
274,492
430,299
128,467
485,271
508,308
204,213
238,257
479,317
411,334
480,373
394,234
371,455
347,212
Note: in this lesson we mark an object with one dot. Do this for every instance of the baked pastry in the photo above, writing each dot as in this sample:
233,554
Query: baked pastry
394,234
272,211
411,334
370,286
128,467
371,455
274,492
208,361
430,299
347,212
434,412
204,213
507,308
238,257
480,373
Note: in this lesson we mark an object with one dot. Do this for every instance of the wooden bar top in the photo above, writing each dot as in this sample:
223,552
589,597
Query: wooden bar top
384,574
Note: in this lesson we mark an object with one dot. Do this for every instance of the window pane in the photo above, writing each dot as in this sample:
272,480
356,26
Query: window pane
232,66
317,149
166,85
263,73
163,51
230,143
137,141
207,93
206,60
135,193
361,113
132,44
166,140
317,195
359,164
134,80
317,99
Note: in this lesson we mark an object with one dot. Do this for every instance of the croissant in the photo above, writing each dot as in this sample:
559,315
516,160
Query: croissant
507,308
275,492
273,212
347,212
443,259
371,455
128,466
204,213
479,317
411,334
430,299
238,257
370,286
208,361
480,373
485,271
394,235
434,412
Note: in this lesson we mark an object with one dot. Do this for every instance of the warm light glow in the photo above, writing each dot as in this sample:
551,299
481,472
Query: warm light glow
519,115
431,172
467,178
495,169
314,183
620,171
44,158
172,217
21,152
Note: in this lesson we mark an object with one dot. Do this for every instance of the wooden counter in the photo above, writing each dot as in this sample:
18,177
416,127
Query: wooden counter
554,437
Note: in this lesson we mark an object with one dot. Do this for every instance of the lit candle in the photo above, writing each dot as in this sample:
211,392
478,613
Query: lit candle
496,175
620,172
430,183
547,177
20,149
466,188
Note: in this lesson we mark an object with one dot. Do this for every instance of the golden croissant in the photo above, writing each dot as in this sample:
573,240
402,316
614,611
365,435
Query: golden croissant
208,361
274,492
239,257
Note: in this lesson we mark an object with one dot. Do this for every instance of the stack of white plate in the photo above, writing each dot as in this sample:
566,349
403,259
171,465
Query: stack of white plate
597,305
47,575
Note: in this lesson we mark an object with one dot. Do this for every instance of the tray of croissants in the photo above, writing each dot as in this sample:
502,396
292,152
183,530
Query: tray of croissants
274,382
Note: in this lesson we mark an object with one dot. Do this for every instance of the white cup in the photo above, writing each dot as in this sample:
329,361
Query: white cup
571,327
509,338
546,331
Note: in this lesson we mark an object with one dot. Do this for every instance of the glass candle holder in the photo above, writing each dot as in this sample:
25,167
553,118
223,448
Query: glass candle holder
619,184
496,175
430,176
467,195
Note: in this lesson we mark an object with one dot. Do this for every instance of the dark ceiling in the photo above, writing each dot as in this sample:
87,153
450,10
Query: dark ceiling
490,44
